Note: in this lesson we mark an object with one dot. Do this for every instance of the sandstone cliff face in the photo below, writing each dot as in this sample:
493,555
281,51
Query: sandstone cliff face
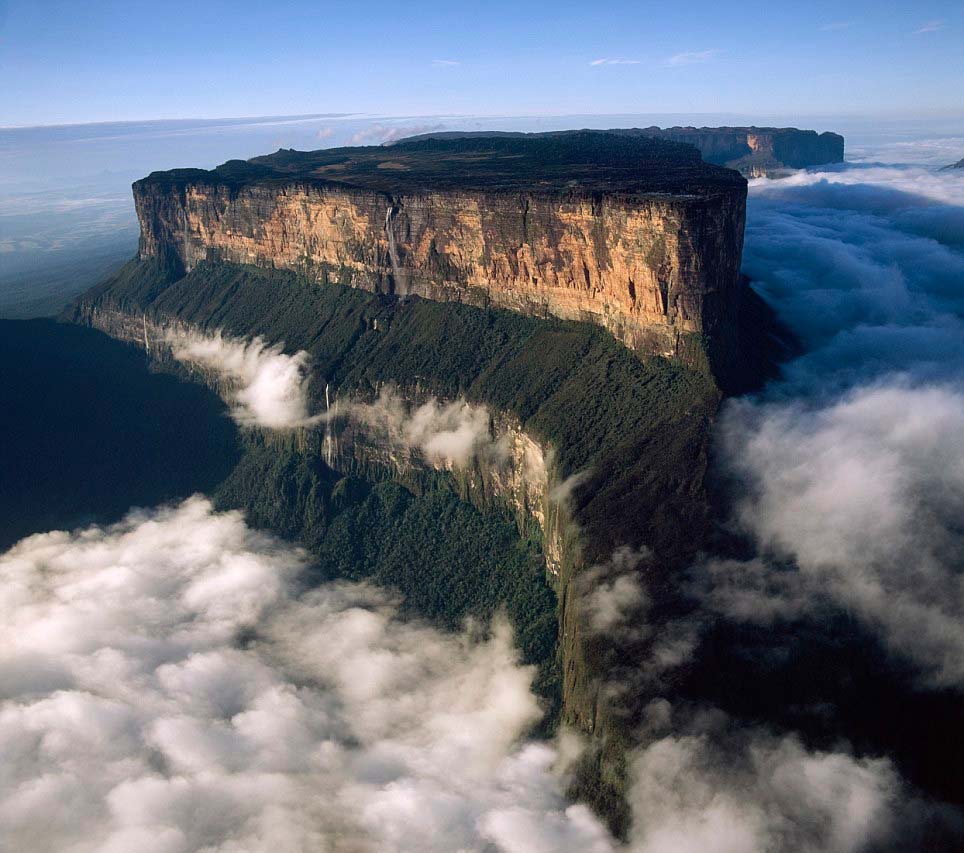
647,268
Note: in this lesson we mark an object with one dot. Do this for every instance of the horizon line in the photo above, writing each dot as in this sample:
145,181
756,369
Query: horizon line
342,116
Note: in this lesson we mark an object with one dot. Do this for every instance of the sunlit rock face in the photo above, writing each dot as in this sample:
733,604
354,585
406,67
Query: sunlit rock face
636,235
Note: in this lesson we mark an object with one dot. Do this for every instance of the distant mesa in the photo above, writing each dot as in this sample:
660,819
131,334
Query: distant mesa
755,152
958,165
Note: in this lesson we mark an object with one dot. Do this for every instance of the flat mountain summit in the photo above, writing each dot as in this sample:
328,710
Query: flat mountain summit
588,161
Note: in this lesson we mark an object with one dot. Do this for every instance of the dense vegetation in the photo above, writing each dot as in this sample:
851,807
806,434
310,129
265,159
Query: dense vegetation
638,430
447,559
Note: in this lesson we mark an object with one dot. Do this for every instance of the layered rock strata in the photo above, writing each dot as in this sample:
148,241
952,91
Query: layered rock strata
636,235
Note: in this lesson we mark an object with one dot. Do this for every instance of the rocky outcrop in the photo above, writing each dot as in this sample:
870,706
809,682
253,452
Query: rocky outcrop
634,235
759,151
513,469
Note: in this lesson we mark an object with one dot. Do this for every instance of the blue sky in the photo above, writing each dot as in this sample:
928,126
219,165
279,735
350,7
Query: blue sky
103,60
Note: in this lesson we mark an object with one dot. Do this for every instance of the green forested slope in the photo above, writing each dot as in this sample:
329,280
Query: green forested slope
636,430
639,429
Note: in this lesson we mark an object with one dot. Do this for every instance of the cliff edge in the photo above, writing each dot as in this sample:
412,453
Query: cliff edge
637,235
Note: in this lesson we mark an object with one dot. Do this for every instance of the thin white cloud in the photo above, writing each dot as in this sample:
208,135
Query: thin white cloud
693,57
607,61
384,134
446,63
449,435
929,27
837,25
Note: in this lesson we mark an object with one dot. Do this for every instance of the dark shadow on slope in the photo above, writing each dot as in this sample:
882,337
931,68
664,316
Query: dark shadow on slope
87,431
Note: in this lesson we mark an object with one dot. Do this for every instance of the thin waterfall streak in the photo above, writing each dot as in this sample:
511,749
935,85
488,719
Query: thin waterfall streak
399,284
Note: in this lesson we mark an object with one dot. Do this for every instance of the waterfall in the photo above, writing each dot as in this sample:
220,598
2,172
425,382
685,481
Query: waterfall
328,449
399,283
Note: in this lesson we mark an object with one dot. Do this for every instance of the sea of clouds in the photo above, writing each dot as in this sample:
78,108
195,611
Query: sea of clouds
168,686
852,467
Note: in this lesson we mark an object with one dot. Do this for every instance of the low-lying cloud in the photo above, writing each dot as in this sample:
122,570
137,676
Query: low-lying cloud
736,790
701,780
265,386
164,688
864,495
850,470
865,264
447,435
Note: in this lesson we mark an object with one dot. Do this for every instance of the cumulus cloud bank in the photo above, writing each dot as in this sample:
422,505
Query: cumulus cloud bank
865,496
165,689
267,387
752,791
865,264
701,781
852,468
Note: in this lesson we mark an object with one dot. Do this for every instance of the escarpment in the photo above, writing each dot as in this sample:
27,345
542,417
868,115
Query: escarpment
636,235
575,287
602,450
759,151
